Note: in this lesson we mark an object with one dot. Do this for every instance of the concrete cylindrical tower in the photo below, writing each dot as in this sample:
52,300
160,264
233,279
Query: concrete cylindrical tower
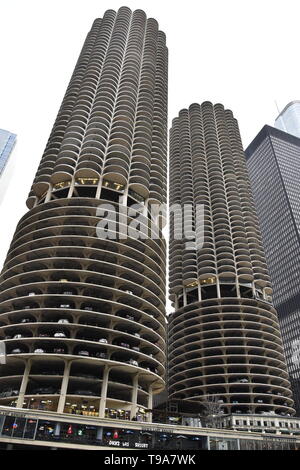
224,337
83,317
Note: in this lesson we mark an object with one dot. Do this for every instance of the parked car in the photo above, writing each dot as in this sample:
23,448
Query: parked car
46,390
27,320
59,334
18,336
124,345
103,340
83,353
39,350
59,351
9,393
17,351
63,320
84,392
129,317
101,355
133,362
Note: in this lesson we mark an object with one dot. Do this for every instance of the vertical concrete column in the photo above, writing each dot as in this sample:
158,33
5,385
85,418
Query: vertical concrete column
150,404
104,392
57,429
24,383
71,188
199,292
184,297
99,435
218,288
237,285
134,394
49,192
145,210
64,387
98,192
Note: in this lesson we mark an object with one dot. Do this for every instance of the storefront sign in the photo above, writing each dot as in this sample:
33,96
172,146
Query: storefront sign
118,444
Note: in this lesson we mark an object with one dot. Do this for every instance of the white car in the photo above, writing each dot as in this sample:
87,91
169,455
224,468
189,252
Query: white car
83,353
133,362
59,334
103,340
63,320
18,336
38,350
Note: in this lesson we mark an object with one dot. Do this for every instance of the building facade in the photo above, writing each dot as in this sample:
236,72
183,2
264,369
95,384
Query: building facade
289,119
273,160
224,338
82,309
32,430
7,142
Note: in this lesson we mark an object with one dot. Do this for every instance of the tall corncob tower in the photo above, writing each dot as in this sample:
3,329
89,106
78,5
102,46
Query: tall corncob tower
83,318
224,338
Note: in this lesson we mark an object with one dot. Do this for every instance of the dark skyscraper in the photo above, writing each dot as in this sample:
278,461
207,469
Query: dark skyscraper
274,166
82,317
224,338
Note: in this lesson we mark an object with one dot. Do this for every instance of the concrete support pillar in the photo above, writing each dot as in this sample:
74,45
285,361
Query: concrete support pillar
49,192
150,404
199,292
71,189
145,210
99,435
24,383
237,285
218,288
134,395
98,192
57,429
64,387
184,297
104,392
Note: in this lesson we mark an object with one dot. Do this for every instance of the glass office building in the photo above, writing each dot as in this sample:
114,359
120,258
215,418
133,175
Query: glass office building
289,119
7,142
274,165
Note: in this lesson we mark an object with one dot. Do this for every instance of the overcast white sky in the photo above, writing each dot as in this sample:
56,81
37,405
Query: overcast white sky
244,54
